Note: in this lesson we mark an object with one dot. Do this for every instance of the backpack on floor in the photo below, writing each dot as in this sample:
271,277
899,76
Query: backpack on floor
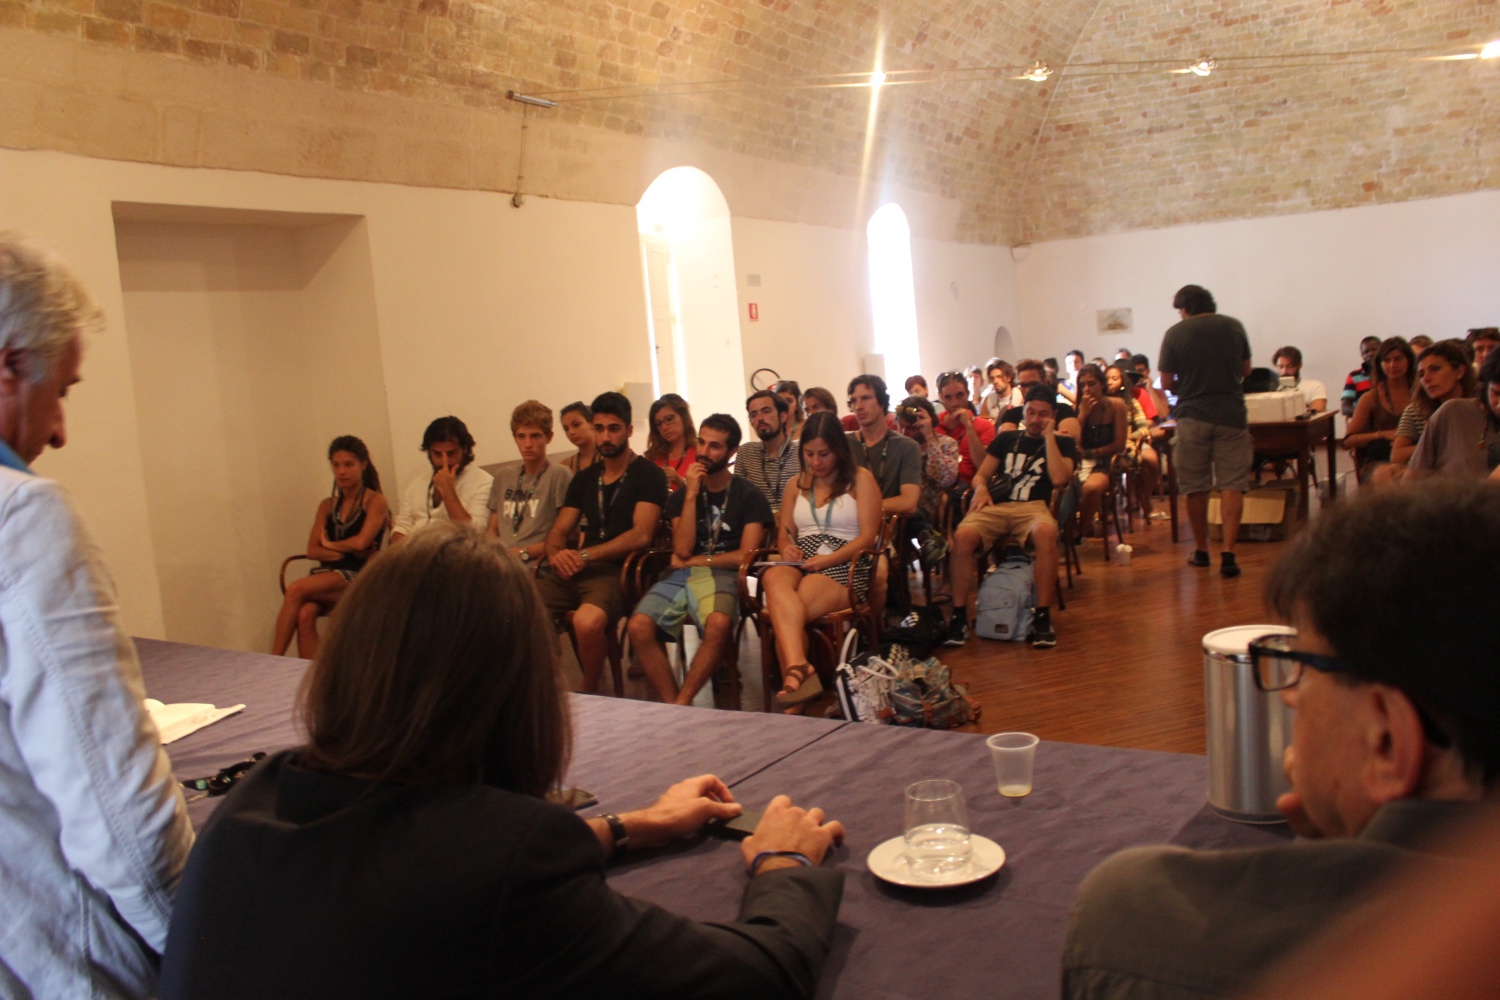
1006,599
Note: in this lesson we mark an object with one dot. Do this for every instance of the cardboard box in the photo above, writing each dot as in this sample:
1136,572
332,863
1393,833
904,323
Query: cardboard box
1269,516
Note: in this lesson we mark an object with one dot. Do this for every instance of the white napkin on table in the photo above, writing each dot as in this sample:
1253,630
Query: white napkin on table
177,721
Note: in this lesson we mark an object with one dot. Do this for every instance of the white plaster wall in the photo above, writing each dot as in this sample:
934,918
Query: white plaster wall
964,291
1319,281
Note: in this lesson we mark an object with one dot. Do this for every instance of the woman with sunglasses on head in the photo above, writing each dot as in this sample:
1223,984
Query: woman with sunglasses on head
409,848
347,530
1371,431
671,442
830,515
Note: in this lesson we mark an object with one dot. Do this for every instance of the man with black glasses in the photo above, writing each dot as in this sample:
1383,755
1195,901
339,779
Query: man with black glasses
1391,672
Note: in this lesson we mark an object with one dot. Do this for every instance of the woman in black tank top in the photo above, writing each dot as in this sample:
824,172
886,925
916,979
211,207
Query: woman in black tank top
346,531
1104,422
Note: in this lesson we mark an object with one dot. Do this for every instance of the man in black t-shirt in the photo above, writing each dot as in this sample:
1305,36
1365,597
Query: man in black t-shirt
616,504
716,518
1033,462
1031,373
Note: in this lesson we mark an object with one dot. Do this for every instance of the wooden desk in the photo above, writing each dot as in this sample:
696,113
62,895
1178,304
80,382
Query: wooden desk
1299,438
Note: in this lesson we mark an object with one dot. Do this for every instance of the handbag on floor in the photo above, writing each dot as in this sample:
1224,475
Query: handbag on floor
900,690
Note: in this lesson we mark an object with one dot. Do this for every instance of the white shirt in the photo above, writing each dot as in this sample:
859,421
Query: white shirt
416,510
1312,390
94,829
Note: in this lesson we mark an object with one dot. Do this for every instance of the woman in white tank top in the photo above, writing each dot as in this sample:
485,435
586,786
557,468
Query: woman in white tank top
829,515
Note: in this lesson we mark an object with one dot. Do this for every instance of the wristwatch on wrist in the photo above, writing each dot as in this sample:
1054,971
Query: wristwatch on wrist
525,556
617,833
583,554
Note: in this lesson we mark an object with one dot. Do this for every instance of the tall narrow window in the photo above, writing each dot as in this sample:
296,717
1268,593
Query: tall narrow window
892,298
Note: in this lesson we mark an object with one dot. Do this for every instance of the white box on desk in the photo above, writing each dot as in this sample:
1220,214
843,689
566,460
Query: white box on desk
1273,407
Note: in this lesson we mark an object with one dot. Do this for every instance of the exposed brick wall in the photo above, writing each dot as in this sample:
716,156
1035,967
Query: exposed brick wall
413,91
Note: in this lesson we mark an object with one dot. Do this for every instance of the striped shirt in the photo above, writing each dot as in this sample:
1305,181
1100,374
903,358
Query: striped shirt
769,472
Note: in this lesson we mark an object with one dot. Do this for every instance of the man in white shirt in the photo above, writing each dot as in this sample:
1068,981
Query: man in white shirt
94,828
1288,362
457,490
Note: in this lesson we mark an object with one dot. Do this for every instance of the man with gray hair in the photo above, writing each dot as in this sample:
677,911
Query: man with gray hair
94,827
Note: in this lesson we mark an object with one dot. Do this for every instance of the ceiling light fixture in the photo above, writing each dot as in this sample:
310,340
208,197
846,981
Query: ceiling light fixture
1490,51
877,78
1203,67
540,102
1038,73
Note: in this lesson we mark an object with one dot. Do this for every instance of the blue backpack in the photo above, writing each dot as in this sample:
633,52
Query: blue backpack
1006,599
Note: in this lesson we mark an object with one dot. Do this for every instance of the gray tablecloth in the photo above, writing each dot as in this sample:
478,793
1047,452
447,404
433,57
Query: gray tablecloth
1001,937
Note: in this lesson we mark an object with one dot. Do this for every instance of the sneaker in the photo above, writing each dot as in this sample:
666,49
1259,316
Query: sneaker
1042,636
958,632
1198,558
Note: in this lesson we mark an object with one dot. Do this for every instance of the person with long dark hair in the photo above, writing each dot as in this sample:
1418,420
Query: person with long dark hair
829,515
347,530
457,489
409,849
1371,430
671,438
1443,373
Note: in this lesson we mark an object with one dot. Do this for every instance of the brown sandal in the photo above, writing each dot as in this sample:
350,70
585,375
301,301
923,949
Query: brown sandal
809,686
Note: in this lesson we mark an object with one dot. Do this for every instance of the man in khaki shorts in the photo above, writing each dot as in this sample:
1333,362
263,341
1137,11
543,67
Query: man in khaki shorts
1205,359
1034,461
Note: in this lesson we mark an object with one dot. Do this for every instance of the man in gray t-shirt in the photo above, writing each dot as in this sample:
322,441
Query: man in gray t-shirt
1205,359
526,497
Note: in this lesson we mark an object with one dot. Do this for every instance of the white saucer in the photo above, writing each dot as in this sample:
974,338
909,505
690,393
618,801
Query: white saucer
888,862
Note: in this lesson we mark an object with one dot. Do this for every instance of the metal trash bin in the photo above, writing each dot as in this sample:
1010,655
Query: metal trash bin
1248,729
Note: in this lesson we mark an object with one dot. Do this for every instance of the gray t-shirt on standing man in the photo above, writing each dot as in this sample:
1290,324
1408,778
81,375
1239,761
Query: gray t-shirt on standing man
1207,353
528,505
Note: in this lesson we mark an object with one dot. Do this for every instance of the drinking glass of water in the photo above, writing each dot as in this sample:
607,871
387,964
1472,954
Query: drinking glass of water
1013,754
937,829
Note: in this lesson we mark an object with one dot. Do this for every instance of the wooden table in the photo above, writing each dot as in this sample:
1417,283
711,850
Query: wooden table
1299,438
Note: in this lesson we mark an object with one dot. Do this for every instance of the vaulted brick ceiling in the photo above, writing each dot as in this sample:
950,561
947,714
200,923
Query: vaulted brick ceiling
1088,151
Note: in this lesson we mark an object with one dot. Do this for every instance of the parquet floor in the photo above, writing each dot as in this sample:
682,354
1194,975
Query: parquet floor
1128,667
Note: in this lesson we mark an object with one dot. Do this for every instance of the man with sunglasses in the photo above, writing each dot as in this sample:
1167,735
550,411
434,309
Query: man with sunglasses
94,829
1391,673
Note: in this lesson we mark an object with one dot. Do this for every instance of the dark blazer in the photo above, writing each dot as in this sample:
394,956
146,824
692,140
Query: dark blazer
305,884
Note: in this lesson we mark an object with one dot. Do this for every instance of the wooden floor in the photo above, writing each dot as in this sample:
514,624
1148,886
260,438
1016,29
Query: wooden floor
1128,667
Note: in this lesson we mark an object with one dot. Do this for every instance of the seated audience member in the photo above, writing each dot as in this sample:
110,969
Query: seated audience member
1002,393
1393,741
1139,453
525,498
669,442
1105,422
1443,373
972,433
1031,373
895,461
94,826
918,418
716,518
1049,369
1148,391
347,530
578,424
816,400
916,385
1420,342
1360,381
1032,463
1288,362
977,384
616,504
830,514
1124,354
795,399
457,490
409,848
1067,387
1371,432
1483,340
1447,446
770,461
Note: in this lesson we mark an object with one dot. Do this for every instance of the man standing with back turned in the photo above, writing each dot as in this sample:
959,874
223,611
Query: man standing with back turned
94,827
1204,359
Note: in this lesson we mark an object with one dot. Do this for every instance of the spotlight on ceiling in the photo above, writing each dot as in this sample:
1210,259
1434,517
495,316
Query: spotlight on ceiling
540,102
1203,67
1490,51
1038,73
877,78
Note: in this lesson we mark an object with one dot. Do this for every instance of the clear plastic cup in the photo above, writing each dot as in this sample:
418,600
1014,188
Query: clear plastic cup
937,829
1013,754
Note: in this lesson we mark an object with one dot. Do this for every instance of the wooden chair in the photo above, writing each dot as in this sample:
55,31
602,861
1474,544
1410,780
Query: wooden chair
825,635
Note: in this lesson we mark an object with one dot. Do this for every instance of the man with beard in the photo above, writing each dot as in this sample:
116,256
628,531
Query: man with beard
457,490
771,462
716,518
615,506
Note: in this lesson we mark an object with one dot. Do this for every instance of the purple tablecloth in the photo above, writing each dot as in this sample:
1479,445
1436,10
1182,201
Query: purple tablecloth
1002,936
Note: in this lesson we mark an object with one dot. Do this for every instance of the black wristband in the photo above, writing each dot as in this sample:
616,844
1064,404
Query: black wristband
618,833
